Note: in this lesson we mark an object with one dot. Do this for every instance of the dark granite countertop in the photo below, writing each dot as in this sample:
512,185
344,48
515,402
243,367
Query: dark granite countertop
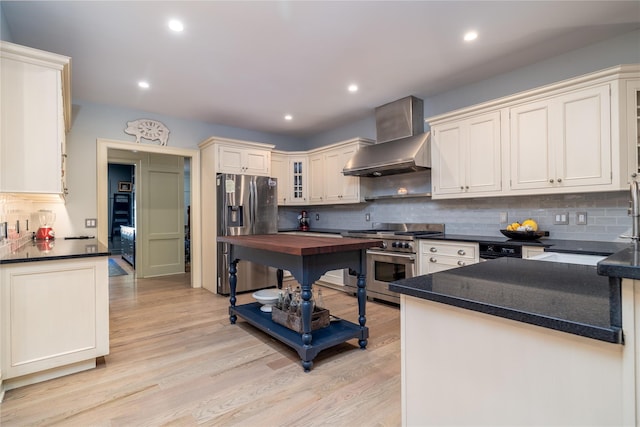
565,297
624,264
485,239
58,249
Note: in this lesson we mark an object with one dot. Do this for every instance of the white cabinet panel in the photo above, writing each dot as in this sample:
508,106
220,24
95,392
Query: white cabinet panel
54,314
32,117
244,161
439,255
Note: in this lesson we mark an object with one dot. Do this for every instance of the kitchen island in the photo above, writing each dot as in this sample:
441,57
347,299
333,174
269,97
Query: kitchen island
54,302
521,342
307,258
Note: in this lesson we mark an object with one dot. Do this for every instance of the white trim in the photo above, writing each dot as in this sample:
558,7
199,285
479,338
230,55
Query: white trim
102,161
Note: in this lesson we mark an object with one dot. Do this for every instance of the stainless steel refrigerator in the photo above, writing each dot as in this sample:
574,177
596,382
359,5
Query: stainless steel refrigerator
246,205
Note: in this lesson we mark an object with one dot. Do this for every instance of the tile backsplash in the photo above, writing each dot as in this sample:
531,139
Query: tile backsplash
607,216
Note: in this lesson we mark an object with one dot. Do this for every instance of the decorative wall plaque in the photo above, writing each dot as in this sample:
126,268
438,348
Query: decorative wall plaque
152,130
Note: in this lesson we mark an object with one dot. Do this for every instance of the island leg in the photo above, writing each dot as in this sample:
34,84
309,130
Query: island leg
233,280
279,277
362,302
305,311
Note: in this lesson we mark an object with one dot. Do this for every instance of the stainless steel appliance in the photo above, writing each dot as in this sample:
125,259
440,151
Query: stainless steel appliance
395,260
402,145
246,205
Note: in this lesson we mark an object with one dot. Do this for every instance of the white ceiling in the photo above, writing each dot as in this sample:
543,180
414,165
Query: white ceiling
246,64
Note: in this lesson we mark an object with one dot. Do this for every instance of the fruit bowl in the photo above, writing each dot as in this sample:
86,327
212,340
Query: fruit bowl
267,297
523,235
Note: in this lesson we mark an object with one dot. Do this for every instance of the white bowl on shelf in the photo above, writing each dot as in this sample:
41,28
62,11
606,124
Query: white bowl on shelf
267,297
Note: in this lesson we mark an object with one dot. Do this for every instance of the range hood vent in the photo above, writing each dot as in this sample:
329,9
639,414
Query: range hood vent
402,146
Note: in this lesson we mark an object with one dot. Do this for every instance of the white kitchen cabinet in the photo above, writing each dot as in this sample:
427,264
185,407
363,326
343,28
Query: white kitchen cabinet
239,157
327,184
55,318
291,170
531,251
244,161
35,106
631,125
563,141
440,255
466,157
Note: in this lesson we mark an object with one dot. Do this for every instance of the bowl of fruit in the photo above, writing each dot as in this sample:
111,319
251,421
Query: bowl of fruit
527,230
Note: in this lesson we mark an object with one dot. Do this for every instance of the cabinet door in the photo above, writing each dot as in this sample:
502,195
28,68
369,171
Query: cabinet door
239,160
447,158
350,184
632,112
280,171
31,131
531,150
482,153
317,178
297,175
583,138
562,142
257,162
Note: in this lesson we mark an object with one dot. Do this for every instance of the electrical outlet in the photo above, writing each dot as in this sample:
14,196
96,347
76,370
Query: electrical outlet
367,217
561,218
581,218
503,217
90,223
317,217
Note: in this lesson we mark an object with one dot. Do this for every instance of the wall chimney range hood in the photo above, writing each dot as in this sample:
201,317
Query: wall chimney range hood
402,145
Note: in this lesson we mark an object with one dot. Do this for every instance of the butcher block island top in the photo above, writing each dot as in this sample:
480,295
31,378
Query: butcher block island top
299,245
307,258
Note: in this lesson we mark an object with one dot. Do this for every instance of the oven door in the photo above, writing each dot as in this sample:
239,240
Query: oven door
384,268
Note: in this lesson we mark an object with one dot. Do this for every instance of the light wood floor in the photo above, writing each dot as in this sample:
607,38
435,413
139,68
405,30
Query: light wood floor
176,360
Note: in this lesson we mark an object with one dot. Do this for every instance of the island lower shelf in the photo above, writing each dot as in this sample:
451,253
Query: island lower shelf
338,331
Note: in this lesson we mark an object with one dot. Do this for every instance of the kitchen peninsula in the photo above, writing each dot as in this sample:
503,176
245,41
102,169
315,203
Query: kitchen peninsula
494,342
307,258
54,301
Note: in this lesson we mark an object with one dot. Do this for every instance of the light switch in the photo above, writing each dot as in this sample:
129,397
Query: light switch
561,218
581,218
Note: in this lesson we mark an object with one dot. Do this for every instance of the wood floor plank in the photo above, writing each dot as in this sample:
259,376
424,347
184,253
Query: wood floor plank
175,360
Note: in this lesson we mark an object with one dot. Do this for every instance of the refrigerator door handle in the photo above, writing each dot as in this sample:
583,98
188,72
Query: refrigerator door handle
253,201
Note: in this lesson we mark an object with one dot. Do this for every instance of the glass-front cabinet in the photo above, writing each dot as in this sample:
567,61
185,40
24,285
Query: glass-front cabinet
633,126
291,171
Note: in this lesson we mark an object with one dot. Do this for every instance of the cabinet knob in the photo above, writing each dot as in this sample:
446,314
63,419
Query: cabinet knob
433,259
461,252
462,263
461,187
633,175
466,187
433,249
551,180
559,179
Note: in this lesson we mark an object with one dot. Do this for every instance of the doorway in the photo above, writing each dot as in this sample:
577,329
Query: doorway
192,194
121,201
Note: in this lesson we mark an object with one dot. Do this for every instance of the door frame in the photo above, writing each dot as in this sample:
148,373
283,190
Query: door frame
102,167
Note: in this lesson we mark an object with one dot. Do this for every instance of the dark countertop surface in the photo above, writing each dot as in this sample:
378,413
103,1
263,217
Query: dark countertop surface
624,264
565,297
58,249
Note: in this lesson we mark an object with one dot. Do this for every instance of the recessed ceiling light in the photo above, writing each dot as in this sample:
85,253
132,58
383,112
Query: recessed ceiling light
143,84
288,117
176,25
470,36
352,88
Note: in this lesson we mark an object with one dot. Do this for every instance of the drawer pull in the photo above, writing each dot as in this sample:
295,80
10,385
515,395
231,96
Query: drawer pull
433,259
462,263
461,252
433,249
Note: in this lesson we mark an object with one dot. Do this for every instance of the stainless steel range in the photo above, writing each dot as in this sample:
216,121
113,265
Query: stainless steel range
395,260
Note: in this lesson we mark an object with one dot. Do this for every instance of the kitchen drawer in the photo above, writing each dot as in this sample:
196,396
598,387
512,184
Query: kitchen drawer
462,250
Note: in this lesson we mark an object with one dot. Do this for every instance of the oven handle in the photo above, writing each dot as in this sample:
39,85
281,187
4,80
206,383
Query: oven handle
393,254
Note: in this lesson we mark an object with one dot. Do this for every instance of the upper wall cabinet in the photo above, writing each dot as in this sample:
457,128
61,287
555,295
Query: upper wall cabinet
327,184
291,171
466,156
578,135
562,142
240,157
630,129
35,106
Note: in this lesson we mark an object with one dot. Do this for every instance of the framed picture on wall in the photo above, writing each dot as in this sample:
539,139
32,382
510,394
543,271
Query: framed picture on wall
124,186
